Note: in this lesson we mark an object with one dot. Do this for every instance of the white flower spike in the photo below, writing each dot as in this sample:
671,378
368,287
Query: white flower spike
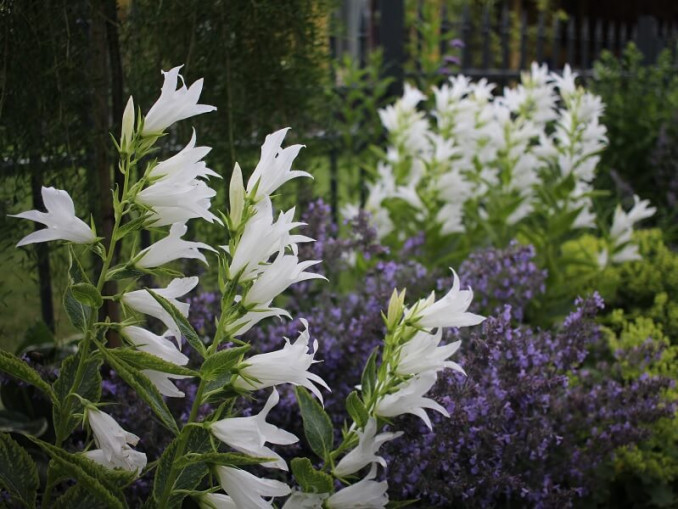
159,346
422,353
248,490
60,219
249,434
172,248
174,103
113,444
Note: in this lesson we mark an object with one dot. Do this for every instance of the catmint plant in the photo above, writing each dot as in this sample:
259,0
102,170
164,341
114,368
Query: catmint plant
213,455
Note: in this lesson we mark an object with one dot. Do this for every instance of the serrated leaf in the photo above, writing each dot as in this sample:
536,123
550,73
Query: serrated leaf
18,473
87,294
222,362
232,459
89,388
368,379
88,474
356,409
311,480
14,366
185,327
78,313
118,273
317,424
144,360
76,271
191,475
11,421
144,389
76,497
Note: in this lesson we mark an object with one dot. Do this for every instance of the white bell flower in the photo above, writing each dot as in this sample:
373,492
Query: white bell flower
186,164
216,501
286,366
274,279
262,237
153,344
422,353
143,302
174,103
60,219
247,490
249,434
449,311
113,444
365,452
176,201
171,248
274,167
409,399
365,494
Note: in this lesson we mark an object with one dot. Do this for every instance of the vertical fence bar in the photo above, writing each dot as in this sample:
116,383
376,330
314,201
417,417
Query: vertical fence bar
444,31
466,37
523,40
597,39
334,185
556,43
540,38
485,31
570,35
611,30
419,36
584,44
504,34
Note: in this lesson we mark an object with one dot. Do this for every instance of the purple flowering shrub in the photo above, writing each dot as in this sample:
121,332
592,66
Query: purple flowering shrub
535,423
538,418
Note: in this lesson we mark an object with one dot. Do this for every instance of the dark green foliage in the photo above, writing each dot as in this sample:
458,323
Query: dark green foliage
317,424
18,474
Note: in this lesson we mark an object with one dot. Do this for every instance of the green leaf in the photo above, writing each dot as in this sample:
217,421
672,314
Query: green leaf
78,313
191,475
19,369
356,409
130,226
18,473
11,421
317,424
87,294
143,387
143,360
91,476
368,379
231,459
222,362
76,497
310,479
184,326
89,388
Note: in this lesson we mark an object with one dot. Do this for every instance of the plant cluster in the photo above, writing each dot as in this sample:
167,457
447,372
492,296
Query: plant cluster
216,455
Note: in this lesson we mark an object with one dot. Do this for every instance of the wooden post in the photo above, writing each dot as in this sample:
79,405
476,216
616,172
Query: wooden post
540,38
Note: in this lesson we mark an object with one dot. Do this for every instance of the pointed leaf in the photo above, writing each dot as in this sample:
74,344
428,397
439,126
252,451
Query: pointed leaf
17,368
89,388
317,424
144,360
18,473
310,479
87,294
88,474
78,313
184,326
11,421
369,376
232,459
356,409
130,226
143,387
222,362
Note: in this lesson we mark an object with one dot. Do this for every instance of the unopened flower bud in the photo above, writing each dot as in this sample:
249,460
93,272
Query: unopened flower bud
127,125
236,196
